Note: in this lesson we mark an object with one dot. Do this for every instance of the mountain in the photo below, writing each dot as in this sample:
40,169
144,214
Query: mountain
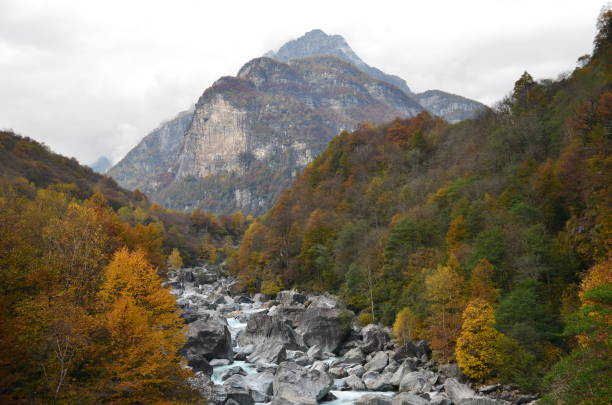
249,135
451,107
101,165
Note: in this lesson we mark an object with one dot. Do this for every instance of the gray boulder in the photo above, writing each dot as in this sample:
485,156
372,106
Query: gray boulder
288,314
416,349
416,381
324,327
377,382
374,338
440,399
237,391
406,398
357,370
210,337
353,356
262,328
323,301
355,383
315,353
268,352
374,399
480,401
406,367
227,373
300,385
197,361
260,386
378,362
337,372
457,391
289,298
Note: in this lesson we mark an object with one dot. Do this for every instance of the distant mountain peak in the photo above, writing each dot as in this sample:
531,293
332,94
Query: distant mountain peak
101,165
318,43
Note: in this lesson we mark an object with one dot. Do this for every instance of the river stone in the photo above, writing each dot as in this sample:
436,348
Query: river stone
289,298
323,301
210,337
320,366
415,381
457,391
337,372
374,338
416,349
480,401
378,362
406,398
377,382
355,383
197,361
357,370
262,328
287,314
407,366
260,386
268,352
373,399
353,356
315,353
237,390
227,373
440,400
300,385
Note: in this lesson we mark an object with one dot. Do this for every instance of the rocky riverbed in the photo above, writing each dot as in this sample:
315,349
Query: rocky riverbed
307,349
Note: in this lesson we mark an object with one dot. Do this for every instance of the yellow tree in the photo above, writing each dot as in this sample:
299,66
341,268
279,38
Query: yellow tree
175,261
443,289
405,326
481,283
476,346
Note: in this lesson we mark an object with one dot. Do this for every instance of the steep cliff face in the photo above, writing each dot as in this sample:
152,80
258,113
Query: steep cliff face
149,164
452,107
248,136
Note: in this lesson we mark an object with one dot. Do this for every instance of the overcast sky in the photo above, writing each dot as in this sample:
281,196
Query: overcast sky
91,78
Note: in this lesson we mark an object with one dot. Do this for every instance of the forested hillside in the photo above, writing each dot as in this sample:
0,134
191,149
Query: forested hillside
490,238
84,317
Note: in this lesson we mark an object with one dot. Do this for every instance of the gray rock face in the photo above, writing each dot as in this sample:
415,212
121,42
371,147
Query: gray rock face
355,383
210,337
260,386
412,349
406,398
374,338
416,381
457,391
377,382
268,352
451,107
262,328
290,298
299,385
353,356
378,362
374,399
322,327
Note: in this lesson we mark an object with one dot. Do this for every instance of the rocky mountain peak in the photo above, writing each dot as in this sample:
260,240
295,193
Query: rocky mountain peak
318,43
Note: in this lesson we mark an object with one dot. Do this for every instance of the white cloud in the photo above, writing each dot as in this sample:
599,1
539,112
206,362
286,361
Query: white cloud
93,77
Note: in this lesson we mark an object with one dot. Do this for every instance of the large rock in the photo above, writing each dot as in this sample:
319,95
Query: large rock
353,356
480,401
457,391
262,328
237,391
406,398
327,301
374,338
374,399
412,349
378,362
377,382
197,361
299,385
290,314
289,298
416,381
260,386
406,367
210,337
269,352
355,383
323,327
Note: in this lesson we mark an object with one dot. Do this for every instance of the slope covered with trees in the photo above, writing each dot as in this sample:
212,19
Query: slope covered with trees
477,234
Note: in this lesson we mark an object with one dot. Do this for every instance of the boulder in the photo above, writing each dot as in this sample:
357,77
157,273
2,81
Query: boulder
457,391
315,353
261,298
406,398
260,386
374,338
268,352
355,383
227,373
320,366
373,399
406,367
323,301
324,327
440,400
357,370
452,370
416,381
378,362
237,391
262,328
186,276
337,372
300,385
197,361
243,299
210,337
289,298
288,314
416,349
353,356
480,401
377,382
